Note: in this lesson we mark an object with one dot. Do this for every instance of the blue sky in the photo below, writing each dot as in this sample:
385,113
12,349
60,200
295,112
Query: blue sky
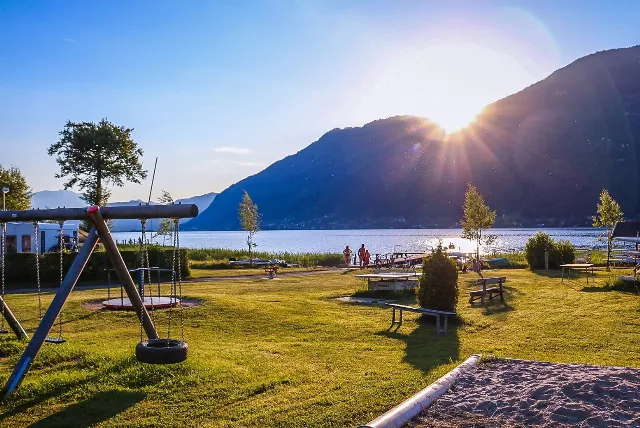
220,90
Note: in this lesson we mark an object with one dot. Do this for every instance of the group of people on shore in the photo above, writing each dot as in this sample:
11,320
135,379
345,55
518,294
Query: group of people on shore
363,256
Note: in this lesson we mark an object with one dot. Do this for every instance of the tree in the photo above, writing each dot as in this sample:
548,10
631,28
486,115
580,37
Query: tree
19,195
439,282
166,226
609,213
249,220
478,217
94,155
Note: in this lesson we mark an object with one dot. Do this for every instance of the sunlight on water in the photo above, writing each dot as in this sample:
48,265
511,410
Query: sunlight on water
378,241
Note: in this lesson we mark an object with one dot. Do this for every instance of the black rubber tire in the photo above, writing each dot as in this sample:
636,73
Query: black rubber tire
162,351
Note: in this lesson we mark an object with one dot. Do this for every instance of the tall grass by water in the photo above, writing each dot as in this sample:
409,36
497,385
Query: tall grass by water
213,258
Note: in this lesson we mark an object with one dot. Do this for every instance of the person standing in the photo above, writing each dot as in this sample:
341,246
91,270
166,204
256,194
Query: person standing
367,258
361,253
347,256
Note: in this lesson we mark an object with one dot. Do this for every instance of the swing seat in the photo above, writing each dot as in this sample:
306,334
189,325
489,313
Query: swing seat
55,340
161,351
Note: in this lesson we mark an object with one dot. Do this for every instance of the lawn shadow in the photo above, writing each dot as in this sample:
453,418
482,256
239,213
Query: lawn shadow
425,350
549,273
496,307
64,387
101,407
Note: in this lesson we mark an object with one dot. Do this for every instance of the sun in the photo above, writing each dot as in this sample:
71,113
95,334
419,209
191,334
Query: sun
448,83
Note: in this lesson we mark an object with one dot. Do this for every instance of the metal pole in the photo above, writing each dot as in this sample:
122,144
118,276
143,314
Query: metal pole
124,212
13,322
49,318
121,270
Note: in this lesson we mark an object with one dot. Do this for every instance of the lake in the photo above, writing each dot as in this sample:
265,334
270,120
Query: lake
378,241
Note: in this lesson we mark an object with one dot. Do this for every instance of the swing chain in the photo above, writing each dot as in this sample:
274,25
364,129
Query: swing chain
176,249
36,231
146,271
4,255
61,245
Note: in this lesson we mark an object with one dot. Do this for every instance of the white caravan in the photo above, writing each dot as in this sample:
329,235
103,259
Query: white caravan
21,238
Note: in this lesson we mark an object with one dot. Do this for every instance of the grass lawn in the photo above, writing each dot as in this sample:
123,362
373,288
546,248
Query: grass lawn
285,353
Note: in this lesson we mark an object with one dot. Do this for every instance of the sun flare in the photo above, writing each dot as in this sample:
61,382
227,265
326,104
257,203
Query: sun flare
449,83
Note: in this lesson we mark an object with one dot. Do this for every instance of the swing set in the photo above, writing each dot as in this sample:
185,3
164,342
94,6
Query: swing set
153,350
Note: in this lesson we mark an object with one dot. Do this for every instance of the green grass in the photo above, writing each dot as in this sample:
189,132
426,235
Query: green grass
286,353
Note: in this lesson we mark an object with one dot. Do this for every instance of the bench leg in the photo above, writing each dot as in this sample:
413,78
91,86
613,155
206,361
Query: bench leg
400,323
438,325
445,323
501,293
393,316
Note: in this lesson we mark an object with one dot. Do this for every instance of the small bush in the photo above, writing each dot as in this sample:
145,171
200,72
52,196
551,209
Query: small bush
439,282
560,252
563,252
535,248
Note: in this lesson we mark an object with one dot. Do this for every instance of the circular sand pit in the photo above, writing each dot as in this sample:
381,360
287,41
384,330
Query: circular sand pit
531,393
149,303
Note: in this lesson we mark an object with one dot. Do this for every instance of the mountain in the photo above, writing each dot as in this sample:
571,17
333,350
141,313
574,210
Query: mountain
67,198
56,198
540,156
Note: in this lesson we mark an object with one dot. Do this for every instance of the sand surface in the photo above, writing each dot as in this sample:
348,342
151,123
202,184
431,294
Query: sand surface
530,393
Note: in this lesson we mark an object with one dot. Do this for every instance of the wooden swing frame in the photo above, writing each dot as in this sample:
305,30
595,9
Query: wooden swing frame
100,231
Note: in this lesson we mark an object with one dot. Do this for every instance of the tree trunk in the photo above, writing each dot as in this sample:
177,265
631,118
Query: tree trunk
608,250
98,200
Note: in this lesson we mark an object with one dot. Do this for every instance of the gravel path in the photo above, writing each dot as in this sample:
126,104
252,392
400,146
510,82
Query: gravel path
530,393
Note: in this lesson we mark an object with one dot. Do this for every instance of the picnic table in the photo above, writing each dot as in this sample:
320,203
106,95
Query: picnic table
271,271
487,291
390,280
440,328
577,267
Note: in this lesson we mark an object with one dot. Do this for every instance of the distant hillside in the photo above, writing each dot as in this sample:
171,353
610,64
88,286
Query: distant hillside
67,198
540,156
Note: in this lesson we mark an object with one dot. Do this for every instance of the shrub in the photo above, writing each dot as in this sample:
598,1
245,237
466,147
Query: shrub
439,282
563,252
559,252
535,248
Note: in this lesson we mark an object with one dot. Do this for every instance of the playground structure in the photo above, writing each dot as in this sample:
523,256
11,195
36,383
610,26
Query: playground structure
153,350
150,301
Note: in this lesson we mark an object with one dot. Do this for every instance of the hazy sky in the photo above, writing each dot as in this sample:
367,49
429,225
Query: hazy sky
219,90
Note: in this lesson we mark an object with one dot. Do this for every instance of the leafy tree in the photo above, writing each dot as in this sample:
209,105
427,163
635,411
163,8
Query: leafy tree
19,195
249,220
94,155
166,226
478,217
609,213
439,282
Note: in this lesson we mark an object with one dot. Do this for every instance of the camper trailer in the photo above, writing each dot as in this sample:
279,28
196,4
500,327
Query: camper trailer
20,237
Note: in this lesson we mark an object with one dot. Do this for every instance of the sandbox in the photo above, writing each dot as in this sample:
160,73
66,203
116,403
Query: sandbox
507,392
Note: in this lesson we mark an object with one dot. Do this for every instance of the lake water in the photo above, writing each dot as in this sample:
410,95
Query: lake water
378,241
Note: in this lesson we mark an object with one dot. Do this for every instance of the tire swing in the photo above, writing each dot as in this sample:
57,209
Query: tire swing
163,351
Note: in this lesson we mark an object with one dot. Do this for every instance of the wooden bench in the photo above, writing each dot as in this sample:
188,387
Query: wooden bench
487,291
271,271
440,328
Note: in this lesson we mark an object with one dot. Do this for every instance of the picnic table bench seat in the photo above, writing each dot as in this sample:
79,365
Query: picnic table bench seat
440,327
